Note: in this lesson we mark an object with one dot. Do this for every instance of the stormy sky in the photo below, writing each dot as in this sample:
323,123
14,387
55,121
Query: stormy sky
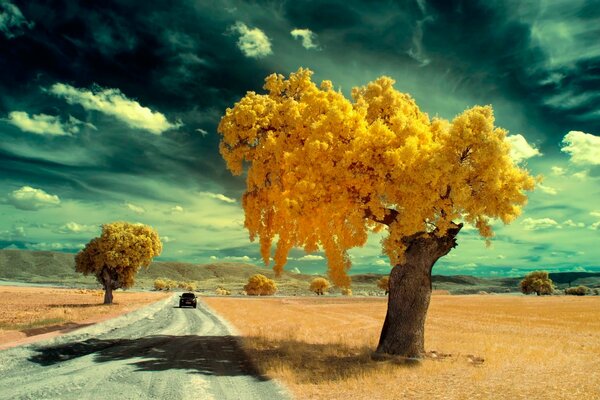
108,111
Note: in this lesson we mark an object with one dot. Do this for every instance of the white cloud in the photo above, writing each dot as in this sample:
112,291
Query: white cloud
114,103
135,209
238,258
18,232
43,124
213,258
584,148
176,209
31,199
54,246
521,150
572,224
531,224
295,270
12,20
381,262
201,131
252,42
595,225
559,171
308,37
218,196
311,257
547,189
595,213
166,239
581,175
74,227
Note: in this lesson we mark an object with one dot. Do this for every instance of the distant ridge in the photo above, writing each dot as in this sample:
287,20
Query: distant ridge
58,268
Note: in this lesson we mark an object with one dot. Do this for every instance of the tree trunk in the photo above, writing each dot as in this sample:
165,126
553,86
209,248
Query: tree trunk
108,286
403,331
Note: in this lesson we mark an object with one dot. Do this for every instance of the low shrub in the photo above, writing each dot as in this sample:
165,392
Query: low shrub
160,284
346,292
319,286
260,285
384,284
222,291
577,291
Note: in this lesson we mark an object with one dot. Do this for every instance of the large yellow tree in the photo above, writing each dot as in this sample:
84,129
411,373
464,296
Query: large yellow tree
324,171
118,254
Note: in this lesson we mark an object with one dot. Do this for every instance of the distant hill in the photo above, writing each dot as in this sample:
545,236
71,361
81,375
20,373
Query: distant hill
58,268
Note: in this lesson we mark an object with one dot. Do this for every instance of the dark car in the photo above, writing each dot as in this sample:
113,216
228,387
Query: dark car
187,299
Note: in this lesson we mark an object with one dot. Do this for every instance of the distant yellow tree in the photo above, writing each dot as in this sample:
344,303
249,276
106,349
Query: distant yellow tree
537,282
324,171
346,292
260,285
319,285
118,254
384,284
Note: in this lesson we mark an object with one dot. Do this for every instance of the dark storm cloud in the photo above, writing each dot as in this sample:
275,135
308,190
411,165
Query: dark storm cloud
173,58
180,59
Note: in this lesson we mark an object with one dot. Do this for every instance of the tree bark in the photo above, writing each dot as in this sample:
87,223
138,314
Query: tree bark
403,332
110,283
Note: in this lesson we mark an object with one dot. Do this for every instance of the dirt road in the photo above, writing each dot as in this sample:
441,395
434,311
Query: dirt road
157,352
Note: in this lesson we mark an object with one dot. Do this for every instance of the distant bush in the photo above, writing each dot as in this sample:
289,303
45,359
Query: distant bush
160,284
222,291
319,285
384,284
165,284
537,282
189,286
577,291
596,292
346,292
260,285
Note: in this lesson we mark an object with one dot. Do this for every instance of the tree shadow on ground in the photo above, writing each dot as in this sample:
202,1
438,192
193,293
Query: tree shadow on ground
316,363
77,305
207,355
62,328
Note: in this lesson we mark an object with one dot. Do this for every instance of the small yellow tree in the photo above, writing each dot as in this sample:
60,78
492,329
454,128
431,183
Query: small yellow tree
319,285
537,282
260,285
346,292
384,284
118,254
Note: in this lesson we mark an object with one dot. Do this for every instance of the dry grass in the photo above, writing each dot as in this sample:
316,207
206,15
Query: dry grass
531,347
27,311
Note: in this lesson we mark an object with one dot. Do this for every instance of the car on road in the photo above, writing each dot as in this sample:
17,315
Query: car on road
187,299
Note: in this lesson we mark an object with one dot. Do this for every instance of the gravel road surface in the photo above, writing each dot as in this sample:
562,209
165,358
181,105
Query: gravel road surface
157,352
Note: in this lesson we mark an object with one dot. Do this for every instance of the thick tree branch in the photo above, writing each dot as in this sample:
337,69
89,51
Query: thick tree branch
388,219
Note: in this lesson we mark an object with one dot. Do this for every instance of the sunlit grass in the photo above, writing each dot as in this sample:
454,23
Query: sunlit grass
26,308
499,347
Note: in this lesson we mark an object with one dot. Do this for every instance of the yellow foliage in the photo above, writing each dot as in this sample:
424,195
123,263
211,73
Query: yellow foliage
120,251
160,284
346,292
319,285
222,291
260,285
384,283
324,170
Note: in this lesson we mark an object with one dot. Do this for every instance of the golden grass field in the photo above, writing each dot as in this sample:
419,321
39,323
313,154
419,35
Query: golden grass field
29,311
498,347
